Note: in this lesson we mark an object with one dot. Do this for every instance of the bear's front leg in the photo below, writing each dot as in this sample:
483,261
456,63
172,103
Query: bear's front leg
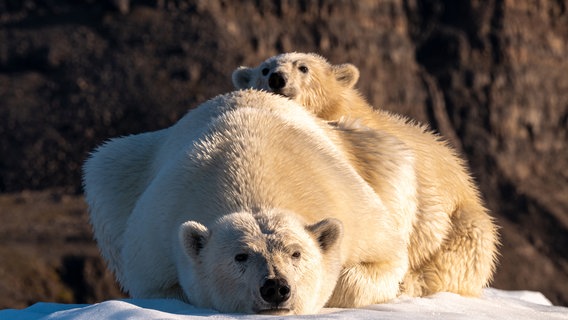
367,283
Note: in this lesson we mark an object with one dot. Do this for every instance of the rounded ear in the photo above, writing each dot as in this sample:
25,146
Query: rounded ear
193,236
328,233
346,74
241,77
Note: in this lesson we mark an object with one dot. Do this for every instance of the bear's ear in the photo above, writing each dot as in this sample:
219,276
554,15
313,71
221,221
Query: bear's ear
241,77
328,233
346,74
193,236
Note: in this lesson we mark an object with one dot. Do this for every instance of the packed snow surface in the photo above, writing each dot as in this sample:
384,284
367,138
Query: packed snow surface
494,304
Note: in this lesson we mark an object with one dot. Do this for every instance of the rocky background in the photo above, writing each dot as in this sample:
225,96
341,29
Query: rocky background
491,76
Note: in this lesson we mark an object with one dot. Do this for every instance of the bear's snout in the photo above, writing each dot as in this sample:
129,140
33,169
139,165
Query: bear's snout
275,290
276,81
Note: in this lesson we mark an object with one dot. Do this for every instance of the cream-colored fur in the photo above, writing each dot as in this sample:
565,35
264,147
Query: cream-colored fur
453,246
259,189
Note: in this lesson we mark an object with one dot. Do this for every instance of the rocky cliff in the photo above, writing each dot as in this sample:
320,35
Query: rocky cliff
491,76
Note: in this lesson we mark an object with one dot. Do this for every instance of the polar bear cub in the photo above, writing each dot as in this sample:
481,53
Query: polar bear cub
250,204
453,245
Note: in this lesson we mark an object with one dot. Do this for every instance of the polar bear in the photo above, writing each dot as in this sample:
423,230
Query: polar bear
453,246
249,204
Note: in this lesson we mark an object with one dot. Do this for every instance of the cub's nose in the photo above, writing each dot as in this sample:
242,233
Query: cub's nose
276,81
275,290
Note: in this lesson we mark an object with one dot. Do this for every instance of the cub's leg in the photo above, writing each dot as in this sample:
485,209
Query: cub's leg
465,262
367,283
388,166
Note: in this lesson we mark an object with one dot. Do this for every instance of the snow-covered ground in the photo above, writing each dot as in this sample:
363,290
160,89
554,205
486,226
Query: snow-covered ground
494,304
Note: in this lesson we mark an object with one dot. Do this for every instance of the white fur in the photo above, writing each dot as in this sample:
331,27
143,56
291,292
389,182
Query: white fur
453,243
248,172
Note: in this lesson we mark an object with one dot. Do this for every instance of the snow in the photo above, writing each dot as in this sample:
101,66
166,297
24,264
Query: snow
494,304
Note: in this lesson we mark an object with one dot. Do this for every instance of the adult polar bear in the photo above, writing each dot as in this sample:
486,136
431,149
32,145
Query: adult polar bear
269,210
453,246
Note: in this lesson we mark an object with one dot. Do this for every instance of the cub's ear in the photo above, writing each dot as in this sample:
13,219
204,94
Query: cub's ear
193,236
328,233
242,76
346,74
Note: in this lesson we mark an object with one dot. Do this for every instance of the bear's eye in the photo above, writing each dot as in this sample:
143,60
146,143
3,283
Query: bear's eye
265,71
303,69
241,257
296,255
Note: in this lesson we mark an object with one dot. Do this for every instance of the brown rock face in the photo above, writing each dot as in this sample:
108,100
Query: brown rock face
491,76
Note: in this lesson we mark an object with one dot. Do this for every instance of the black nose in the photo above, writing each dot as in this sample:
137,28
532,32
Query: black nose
276,81
275,290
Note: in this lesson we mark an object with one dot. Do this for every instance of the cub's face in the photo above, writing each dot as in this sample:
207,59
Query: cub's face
306,78
263,263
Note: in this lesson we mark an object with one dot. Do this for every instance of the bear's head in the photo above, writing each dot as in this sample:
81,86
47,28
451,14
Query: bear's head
266,263
306,78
